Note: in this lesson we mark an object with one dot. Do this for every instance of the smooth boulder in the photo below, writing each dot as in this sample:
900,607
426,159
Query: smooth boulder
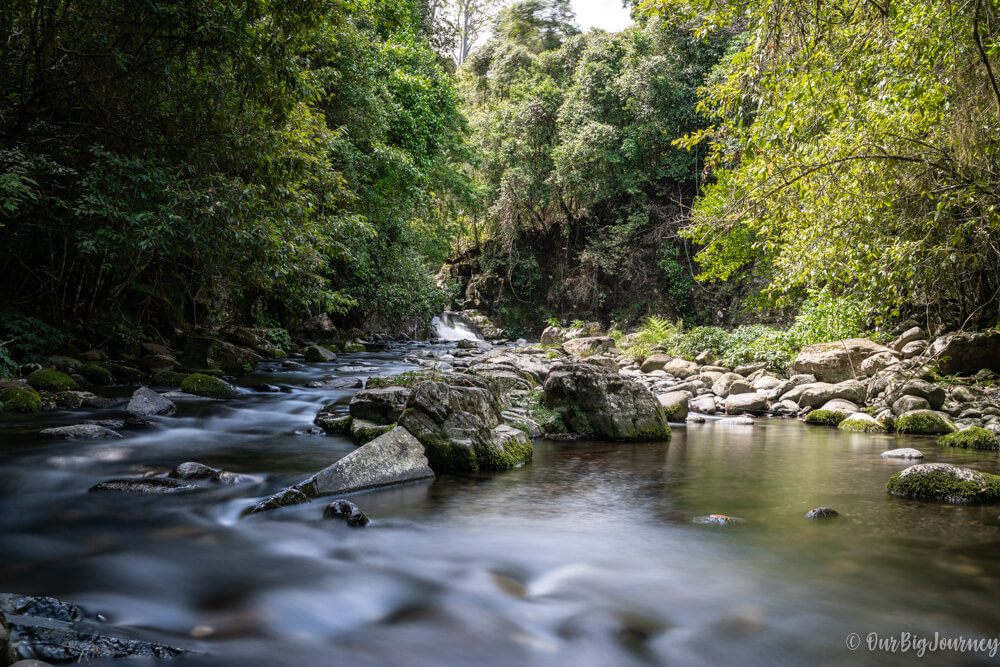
836,361
146,403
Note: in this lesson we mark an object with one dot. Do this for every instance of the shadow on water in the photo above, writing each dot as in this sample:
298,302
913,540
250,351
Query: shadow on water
589,555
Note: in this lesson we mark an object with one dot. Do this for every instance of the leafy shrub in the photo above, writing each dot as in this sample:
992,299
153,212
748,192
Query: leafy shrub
699,339
824,317
28,339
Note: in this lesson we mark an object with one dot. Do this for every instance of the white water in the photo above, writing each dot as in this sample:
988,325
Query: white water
448,327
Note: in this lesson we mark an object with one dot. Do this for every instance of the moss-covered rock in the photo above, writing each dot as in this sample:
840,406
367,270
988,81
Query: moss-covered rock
318,353
825,417
924,422
96,375
205,385
971,438
20,399
169,378
126,374
862,423
354,347
945,482
52,380
365,431
332,422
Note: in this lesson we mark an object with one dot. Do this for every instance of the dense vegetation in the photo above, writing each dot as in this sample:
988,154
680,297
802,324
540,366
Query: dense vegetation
584,192
165,165
178,163
855,147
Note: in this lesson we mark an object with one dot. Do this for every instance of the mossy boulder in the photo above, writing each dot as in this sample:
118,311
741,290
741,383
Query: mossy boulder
971,438
596,401
354,346
332,422
49,379
169,378
862,423
458,420
211,352
946,483
20,399
825,417
96,375
924,422
206,385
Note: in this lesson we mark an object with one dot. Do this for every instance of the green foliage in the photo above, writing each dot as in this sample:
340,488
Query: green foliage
48,379
854,147
8,367
824,317
28,339
825,417
408,379
974,437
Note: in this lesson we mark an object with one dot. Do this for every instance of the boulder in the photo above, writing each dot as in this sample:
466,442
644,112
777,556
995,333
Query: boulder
675,405
704,404
740,387
211,352
836,361
909,336
20,399
785,408
458,420
154,363
742,403
380,406
967,353
681,368
721,386
816,394
767,383
588,345
841,405
860,422
391,458
364,431
902,453
145,403
207,386
934,394
80,431
877,362
553,336
318,354
601,403
924,422
825,418
945,482
48,379
57,632
913,349
655,362
822,513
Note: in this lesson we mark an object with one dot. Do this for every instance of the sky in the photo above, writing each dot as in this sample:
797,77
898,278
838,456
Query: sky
606,14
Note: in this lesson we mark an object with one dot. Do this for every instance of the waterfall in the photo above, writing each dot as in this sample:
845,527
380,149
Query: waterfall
449,326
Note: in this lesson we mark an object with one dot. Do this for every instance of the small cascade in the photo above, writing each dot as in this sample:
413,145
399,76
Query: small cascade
449,326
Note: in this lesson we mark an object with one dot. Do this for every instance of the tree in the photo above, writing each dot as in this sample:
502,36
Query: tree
856,147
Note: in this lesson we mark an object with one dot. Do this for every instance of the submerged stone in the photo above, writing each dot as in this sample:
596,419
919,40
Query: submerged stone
80,431
718,520
822,513
150,486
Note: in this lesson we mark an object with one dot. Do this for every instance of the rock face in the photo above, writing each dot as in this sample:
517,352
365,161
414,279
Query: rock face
836,361
380,406
596,401
80,431
145,403
588,345
389,459
209,352
945,482
967,353
458,420
59,632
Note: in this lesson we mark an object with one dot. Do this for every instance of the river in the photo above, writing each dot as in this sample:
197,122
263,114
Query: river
589,555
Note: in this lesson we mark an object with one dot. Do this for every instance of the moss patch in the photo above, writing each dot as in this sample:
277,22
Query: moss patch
48,379
971,438
20,399
408,379
169,378
825,417
205,385
671,412
366,431
97,375
862,426
649,435
354,347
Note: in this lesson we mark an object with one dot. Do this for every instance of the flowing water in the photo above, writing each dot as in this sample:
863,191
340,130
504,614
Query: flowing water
589,555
